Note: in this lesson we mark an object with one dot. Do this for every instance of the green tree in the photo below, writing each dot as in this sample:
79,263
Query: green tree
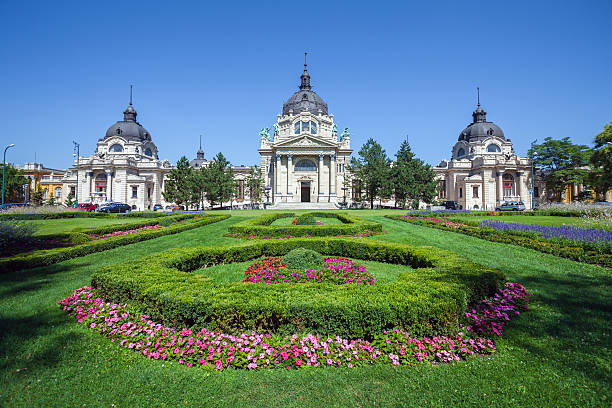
51,201
37,197
219,185
14,180
179,185
371,170
255,184
69,200
412,179
561,162
600,178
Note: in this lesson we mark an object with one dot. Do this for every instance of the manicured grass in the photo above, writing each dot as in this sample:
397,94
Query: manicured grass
542,220
76,224
234,272
556,354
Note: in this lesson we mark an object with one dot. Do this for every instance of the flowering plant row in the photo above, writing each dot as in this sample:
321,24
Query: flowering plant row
126,232
446,223
337,270
363,234
217,350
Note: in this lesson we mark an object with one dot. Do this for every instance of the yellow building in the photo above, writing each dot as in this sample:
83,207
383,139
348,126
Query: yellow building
48,180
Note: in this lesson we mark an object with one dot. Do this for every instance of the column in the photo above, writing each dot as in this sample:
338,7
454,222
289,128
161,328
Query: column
332,176
277,175
500,186
320,175
519,184
109,195
85,192
289,175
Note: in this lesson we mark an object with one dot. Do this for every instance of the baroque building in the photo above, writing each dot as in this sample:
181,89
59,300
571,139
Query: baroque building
484,171
124,167
305,161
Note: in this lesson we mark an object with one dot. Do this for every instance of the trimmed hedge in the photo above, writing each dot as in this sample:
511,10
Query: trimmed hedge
51,256
526,240
550,212
261,226
77,214
428,300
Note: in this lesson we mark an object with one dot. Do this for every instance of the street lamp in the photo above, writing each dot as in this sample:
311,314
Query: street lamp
76,153
344,199
4,168
532,176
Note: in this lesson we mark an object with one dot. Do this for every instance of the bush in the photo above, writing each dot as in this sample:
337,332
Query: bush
427,301
302,258
261,226
15,234
51,256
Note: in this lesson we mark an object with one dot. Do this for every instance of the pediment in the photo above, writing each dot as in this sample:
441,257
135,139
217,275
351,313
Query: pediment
305,141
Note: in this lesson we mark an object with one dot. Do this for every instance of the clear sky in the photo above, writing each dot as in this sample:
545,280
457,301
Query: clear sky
223,69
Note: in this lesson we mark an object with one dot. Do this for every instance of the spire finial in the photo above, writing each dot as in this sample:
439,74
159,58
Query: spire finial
131,86
305,64
200,142
478,91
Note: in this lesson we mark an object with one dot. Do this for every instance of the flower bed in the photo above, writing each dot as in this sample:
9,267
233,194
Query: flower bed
364,234
218,351
446,223
337,270
126,232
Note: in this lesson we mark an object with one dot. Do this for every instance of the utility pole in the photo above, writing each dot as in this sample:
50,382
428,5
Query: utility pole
532,176
4,169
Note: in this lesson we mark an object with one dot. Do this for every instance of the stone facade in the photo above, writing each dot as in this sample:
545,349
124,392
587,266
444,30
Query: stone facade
304,161
484,171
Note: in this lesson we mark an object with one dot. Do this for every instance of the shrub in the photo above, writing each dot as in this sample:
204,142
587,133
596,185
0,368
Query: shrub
15,234
302,258
428,300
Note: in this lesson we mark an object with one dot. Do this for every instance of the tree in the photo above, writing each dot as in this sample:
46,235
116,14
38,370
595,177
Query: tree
69,200
219,185
179,185
255,183
561,162
37,197
14,180
411,178
371,170
51,201
601,176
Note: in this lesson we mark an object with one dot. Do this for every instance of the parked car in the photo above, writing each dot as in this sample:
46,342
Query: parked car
89,207
157,207
114,208
511,206
451,205
174,207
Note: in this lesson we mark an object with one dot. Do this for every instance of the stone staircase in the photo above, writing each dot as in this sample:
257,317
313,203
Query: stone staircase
303,206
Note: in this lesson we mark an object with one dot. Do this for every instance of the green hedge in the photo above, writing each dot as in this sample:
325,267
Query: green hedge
428,300
526,240
51,256
261,226
77,214
550,212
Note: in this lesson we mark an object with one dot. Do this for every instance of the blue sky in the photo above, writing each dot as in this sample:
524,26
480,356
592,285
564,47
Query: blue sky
223,69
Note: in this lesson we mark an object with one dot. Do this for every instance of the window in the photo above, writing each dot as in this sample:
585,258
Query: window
493,148
508,185
149,192
475,191
461,152
442,190
296,128
313,127
148,152
46,194
305,127
101,183
58,192
116,148
134,191
118,131
460,192
536,191
305,165
72,190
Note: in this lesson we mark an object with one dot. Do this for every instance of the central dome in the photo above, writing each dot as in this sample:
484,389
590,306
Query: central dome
128,128
305,100
480,129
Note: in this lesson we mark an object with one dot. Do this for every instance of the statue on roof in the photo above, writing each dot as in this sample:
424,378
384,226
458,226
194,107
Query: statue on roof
264,133
335,130
276,129
345,133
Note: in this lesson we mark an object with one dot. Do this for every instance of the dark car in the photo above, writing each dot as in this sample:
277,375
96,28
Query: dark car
451,205
511,206
89,207
157,207
114,208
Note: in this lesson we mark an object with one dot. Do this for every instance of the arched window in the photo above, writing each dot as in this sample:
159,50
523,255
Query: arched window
101,183
313,127
305,165
296,128
305,126
493,148
58,193
508,181
461,152
148,152
116,148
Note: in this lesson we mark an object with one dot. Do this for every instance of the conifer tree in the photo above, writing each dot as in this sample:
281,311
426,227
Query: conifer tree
255,184
411,179
179,185
371,170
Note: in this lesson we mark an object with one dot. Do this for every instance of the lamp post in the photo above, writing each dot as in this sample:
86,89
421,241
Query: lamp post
267,197
532,176
76,153
344,199
4,169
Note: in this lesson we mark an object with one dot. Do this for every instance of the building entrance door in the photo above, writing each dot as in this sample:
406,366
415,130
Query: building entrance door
305,191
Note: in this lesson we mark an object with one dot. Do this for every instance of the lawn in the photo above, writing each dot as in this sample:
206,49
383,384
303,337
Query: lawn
557,354
324,221
76,224
542,220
